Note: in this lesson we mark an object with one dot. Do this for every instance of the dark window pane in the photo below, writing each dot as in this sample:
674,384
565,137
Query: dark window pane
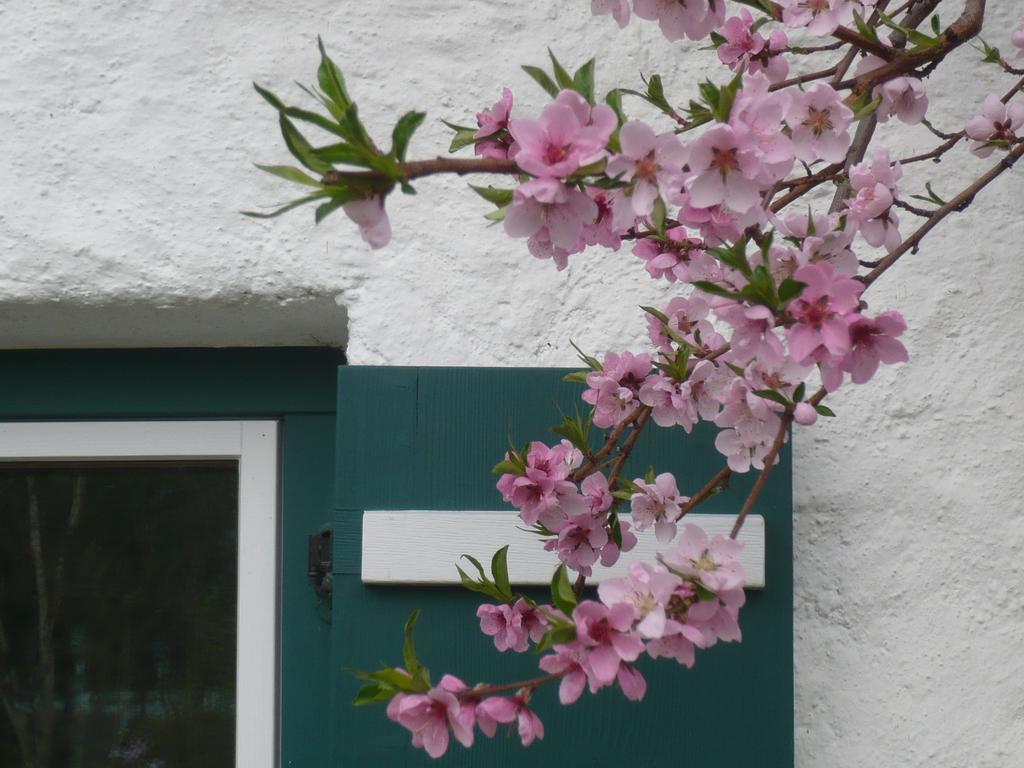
118,604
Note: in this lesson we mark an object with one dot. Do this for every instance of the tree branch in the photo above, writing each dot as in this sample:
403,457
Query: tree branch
958,203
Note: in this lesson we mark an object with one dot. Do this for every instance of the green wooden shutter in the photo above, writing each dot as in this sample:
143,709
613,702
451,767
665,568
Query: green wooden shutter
426,438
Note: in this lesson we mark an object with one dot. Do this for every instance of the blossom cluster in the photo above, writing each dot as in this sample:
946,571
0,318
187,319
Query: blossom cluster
689,600
768,304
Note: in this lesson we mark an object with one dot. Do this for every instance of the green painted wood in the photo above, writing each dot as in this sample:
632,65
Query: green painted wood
426,439
136,383
296,386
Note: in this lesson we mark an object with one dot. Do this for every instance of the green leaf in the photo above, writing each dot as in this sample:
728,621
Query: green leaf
864,29
656,93
394,678
727,96
404,129
562,77
291,173
615,529
463,136
824,410
658,215
500,197
771,394
475,586
789,289
344,153
576,377
542,79
286,207
593,362
299,114
798,393
583,81
614,100
761,281
409,659
499,570
300,148
332,83
325,210
705,594
498,214
559,635
936,25
661,316
562,596
507,467
715,289
373,693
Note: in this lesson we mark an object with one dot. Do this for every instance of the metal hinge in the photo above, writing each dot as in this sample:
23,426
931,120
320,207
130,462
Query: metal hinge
321,561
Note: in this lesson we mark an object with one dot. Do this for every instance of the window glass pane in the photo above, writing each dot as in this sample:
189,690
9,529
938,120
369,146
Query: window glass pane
118,601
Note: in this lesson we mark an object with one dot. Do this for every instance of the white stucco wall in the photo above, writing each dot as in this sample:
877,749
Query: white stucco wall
129,130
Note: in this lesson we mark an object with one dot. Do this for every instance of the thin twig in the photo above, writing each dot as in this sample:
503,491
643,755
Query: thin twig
769,462
958,203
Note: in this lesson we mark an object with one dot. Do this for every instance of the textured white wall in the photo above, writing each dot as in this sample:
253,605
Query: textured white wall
129,130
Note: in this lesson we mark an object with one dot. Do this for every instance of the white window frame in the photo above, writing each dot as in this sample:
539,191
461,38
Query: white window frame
254,444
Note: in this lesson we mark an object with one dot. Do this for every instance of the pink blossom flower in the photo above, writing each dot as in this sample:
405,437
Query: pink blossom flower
512,626
613,390
820,240
567,660
648,589
745,47
619,10
903,96
996,123
551,213
753,333
544,493
749,428
804,413
821,17
715,562
1017,39
670,402
372,220
631,682
610,553
606,637
821,330
429,716
650,164
567,136
496,709
579,542
717,619
678,257
820,121
493,123
725,168
693,19
873,340
757,114
870,209
658,504
687,315
596,493
603,230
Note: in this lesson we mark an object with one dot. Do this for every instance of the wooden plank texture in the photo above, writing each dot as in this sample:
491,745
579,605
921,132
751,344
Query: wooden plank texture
416,547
